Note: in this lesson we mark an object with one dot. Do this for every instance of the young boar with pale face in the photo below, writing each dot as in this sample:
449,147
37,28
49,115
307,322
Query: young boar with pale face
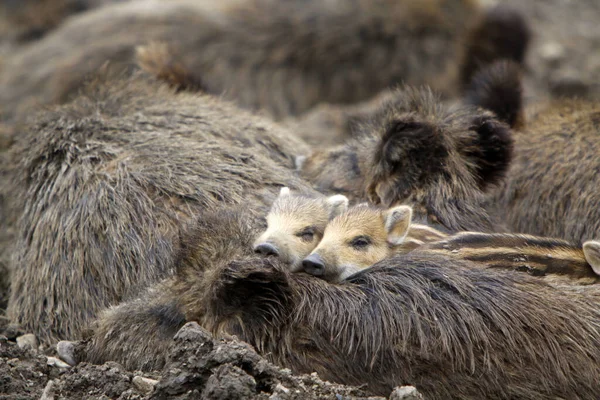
295,225
358,239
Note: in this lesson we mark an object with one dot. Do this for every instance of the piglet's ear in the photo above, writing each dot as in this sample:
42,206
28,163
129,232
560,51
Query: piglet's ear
338,204
397,223
591,250
284,192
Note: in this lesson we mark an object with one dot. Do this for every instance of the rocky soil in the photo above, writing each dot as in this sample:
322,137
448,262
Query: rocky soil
198,367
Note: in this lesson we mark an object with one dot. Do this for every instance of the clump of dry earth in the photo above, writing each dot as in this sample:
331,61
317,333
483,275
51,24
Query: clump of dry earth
198,367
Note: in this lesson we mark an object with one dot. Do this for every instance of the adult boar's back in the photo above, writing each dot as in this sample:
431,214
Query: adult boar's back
103,186
281,56
445,326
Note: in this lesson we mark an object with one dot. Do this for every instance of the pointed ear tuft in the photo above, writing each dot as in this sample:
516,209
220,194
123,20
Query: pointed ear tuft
338,204
285,191
591,250
397,223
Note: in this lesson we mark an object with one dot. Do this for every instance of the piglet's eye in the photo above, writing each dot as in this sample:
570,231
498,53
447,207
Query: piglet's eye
360,242
307,234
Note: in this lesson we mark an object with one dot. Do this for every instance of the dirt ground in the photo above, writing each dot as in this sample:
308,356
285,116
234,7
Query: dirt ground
564,59
198,367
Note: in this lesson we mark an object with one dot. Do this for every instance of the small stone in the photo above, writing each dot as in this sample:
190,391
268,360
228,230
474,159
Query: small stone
27,341
279,391
48,393
552,51
193,333
144,385
299,162
66,351
55,362
406,393
280,388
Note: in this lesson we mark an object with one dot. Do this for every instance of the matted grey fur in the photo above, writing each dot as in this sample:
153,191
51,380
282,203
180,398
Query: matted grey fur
420,151
138,332
281,56
445,326
104,185
552,186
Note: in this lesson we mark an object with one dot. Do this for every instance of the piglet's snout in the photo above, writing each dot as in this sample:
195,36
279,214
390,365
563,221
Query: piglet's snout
266,249
314,265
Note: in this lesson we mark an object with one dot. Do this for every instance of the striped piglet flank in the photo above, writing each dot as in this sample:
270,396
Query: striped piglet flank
538,256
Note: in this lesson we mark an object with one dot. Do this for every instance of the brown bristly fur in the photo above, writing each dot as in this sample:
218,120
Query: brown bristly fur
333,124
280,56
501,33
485,44
157,59
418,151
336,170
446,326
104,185
555,173
418,235
144,326
498,88
138,332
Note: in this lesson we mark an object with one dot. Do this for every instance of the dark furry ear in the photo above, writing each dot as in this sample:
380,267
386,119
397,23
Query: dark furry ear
502,33
498,88
257,290
493,151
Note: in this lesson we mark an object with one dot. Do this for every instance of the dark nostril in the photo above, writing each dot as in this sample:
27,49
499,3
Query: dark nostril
266,249
313,265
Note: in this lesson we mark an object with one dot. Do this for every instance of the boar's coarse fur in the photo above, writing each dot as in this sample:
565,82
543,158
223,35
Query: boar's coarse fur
415,150
501,33
552,187
104,185
137,333
442,325
555,167
281,56
449,327
25,20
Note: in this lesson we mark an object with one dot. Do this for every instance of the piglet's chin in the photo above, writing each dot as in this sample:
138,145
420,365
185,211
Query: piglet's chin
346,271
295,265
